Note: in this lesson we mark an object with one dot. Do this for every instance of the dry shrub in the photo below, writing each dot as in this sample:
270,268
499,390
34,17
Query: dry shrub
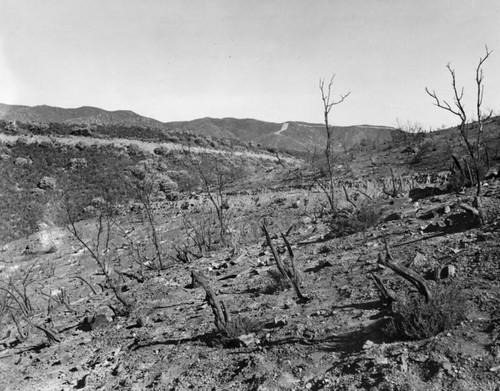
415,319
463,173
278,283
241,325
342,224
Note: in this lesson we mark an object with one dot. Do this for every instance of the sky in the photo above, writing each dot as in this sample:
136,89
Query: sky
178,60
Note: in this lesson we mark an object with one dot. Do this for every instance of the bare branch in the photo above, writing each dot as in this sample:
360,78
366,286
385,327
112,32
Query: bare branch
408,274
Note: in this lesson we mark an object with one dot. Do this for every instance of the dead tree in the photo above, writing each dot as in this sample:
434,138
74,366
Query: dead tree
458,109
476,211
144,191
219,308
397,185
215,175
387,297
98,250
290,272
328,102
408,274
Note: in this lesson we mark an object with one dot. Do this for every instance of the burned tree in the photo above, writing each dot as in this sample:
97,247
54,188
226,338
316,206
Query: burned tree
473,146
326,178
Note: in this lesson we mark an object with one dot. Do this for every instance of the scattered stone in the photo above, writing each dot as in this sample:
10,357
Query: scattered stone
47,183
434,212
247,339
447,271
435,227
80,146
22,161
393,217
419,357
77,162
419,261
403,366
287,380
418,193
447,367
381,361
278,321
81,383
103,316
118,369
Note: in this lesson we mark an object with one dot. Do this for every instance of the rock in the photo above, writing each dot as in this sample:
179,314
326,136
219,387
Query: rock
162,151
434,212
37,192
306,220
103,316
393,216
419,261
80,146
118,369
287,380
169,188
419,357
381,361
4,156
403,366
493,172
447,367
418,193
435,227
247,339
447,271
82,382
22,161
495,368
76,163
368,345
47,183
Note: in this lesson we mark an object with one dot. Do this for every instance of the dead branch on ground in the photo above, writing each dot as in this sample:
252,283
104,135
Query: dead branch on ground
413,277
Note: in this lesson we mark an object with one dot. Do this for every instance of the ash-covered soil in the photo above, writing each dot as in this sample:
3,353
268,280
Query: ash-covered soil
333,341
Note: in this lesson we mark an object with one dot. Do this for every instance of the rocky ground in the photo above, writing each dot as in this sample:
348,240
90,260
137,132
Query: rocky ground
333,341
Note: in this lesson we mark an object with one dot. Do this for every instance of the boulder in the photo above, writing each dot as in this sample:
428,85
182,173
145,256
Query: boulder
418,193
22,161
77,163
47,183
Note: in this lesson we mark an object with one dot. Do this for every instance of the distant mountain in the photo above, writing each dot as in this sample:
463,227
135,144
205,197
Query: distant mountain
80,115
298,136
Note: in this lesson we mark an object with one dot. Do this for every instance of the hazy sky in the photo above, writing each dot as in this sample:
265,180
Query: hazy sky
185,59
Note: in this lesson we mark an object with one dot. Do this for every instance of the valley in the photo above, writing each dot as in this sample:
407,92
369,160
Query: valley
103,239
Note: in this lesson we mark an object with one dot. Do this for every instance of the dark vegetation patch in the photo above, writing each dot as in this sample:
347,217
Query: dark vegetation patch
415,318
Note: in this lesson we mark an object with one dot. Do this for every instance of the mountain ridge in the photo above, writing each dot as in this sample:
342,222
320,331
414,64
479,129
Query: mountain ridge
290,135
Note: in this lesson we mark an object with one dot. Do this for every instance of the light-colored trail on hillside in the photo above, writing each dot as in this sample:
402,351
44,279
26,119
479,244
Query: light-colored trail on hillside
144,145
283,128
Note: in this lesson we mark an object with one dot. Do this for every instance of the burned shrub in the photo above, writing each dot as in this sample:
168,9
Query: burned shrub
415,318
344,224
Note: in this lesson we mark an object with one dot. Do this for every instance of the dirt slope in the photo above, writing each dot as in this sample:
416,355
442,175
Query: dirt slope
335,341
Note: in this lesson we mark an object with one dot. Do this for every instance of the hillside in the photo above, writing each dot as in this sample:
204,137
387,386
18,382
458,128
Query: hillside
293,136
106,243
82,115
68,330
